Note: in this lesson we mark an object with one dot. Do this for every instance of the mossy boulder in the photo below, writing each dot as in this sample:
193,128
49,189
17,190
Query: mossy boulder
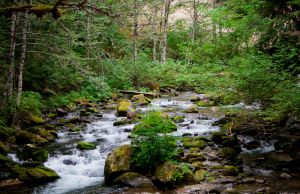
194,157
230,141
122,121
178,119
230,171
5,132
200,175
117,163
197,165
192,109
92,110
165,173
25,137
134,180
205,103
4,148
35,119
216,137
50,135
32,152
123,108
228,153
86,146
39,174
140,100
193,142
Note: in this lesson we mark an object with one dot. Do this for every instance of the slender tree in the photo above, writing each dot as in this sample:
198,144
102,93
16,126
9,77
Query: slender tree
166,11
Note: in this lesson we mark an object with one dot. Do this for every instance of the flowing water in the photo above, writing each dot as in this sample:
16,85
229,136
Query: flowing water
80,169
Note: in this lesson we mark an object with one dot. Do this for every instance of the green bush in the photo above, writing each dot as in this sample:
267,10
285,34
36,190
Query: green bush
153,122
31,102
151,148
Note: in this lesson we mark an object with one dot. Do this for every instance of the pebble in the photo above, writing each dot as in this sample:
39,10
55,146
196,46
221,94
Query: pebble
285,176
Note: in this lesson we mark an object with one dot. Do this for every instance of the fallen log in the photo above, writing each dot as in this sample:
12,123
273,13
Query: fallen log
147,94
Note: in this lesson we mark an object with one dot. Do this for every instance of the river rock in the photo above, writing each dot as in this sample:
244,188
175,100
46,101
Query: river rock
133,179
86,146
164,173
24,137
61,112
218,189
200,175
178,119
30,151
123,107
192,109
248,180
117,162
190,142
194,157
285,176
10,183
140,100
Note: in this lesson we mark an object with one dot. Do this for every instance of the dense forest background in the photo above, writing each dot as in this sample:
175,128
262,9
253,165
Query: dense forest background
53,53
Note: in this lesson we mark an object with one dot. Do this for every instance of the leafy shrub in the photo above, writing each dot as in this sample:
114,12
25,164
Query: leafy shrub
31,102
151,148
182,172
153,122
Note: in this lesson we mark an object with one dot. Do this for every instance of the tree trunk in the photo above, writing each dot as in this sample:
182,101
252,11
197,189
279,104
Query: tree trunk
167,4
11,71
154,29
21,64
214,24
195,21
135,30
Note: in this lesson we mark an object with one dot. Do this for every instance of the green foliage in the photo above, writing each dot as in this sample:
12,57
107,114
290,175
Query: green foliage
151,148
153,123
183,171
31,102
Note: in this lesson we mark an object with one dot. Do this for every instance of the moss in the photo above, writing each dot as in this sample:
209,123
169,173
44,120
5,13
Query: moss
200,175
24,137
205,103
40,155
192,109
230,171
49,135
197,165
42,174
190,142
92,110
5,132
228,153
4,159
178,119
123,107
52,115
86,146
4,149
35,119
165,173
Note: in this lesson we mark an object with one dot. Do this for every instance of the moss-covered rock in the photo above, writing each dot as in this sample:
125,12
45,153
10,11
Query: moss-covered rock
216,137
192,109
140,100
205,103
35,119
200,175
117,162
32,152
228,153
194,157
197,165
165,173
134,180
178,119
25,137
92,110
39,174
230,171
4,148
123,107
50,135
122,121
86,146
191,142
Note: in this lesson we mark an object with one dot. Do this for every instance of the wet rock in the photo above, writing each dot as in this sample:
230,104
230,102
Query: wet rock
140,100
260,181
190,142
195,98
194,157
24,137
252,145
200,175
230,171
205,103
34,120
248,180
117,162
218,189
216,137
225,180
10,183
61,112
123,107
178,119
69,162
76,120
92,110
164,173
122,121
134,180
228,153
192,109
285,176
186,135
197,165
30,151
86,146
263,190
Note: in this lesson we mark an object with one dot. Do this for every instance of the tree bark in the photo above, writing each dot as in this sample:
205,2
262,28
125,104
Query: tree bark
135,30
167,4
195,21
21,65
154,29
214,24
11,70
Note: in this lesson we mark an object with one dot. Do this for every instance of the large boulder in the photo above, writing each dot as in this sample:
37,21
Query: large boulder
86,146
123,108
25,137
30,151
133,179
117,162
140,100
165,173
193,142
39,174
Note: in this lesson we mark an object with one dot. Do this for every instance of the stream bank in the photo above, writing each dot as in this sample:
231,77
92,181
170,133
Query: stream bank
81,171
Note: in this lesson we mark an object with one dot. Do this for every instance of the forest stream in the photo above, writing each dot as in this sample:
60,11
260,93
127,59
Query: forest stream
82,171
